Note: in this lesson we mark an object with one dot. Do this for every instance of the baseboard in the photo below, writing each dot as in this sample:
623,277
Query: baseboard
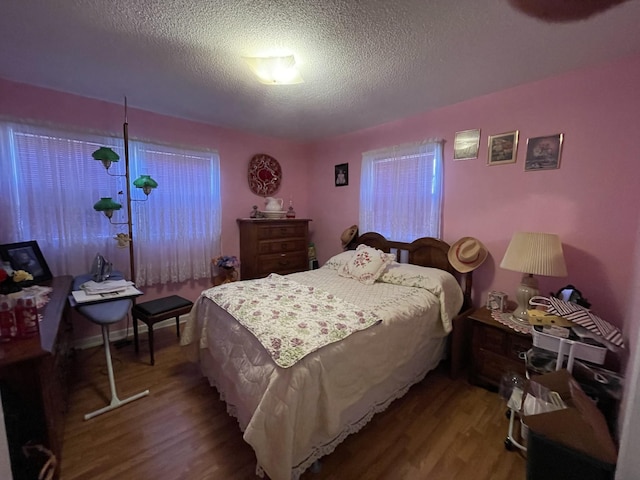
116,335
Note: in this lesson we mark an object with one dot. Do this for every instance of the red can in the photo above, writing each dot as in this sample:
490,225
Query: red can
26,315
7,320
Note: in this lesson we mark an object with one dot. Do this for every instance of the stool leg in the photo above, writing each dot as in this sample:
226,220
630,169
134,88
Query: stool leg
115,401
178,326
135,333
153,362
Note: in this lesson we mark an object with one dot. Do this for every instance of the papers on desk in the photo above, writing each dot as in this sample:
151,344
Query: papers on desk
108,286
102,291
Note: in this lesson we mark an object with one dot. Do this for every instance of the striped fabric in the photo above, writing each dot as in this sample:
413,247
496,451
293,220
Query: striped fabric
583,317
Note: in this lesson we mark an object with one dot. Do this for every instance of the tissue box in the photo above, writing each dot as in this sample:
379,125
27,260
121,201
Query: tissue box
497,301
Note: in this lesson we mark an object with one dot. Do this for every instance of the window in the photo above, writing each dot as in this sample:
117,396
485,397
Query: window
401,191
50,182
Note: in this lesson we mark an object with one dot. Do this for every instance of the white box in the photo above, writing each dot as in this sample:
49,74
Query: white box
571,348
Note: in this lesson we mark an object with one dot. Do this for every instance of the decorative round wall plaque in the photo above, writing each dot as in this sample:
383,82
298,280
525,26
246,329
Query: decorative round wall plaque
265,175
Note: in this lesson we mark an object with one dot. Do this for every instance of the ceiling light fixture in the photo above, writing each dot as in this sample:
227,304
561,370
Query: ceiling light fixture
275,70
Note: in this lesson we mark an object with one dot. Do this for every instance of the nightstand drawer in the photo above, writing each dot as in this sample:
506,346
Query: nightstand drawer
489,338
491,367
518,346
495,349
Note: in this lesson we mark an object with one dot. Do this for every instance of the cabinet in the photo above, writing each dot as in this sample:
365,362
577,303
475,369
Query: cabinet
273,246
495,349
33,377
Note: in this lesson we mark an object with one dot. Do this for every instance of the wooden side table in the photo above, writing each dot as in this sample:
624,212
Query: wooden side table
495,349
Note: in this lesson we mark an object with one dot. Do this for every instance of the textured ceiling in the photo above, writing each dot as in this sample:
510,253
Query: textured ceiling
364,62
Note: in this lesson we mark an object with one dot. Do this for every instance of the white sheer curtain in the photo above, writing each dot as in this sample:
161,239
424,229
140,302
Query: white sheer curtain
50,182
401,191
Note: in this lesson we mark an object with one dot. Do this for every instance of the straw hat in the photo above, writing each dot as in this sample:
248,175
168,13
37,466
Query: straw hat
348,235
467,254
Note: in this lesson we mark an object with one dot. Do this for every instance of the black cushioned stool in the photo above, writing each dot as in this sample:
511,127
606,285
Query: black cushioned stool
155,311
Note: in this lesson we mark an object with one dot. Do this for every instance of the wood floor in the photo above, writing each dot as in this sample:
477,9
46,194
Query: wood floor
442,429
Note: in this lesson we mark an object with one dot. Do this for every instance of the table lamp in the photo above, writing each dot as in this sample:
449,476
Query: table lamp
533,253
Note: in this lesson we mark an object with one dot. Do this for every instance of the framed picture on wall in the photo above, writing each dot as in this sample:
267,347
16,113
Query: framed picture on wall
503,148
466,144
342,174
543,153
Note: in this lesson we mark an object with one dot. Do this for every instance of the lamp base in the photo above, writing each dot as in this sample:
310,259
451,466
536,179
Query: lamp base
527,289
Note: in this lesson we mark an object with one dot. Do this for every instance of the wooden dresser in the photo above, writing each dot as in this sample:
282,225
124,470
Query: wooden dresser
273,246
33,374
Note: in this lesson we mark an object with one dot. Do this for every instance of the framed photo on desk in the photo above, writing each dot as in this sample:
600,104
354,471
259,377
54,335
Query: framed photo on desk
28,257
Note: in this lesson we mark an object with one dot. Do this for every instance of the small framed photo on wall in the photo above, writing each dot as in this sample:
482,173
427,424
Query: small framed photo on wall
543,153
466,144
342,175
503,148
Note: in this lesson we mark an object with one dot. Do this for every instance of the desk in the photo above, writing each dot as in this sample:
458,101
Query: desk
35,370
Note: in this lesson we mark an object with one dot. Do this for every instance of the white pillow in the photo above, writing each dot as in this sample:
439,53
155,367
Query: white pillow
337,261
366,265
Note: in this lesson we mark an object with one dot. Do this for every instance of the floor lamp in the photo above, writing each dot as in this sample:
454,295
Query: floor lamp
107,206
104,314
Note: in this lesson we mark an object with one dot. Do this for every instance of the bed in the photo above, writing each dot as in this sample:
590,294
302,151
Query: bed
293,405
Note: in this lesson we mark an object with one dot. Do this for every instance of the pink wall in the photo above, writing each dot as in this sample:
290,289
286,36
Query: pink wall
235,149
591,201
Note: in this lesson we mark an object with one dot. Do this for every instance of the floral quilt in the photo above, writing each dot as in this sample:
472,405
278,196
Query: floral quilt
290,319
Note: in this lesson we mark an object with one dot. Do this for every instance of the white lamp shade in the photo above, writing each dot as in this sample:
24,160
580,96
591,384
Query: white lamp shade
535,253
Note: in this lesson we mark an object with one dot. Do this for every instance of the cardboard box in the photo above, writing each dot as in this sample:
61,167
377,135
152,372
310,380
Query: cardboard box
549,460
570,443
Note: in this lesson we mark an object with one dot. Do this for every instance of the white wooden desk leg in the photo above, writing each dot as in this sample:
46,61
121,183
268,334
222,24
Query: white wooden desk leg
115,401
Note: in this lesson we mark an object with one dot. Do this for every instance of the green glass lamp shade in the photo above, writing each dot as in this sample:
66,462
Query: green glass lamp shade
106,205
146,183
106,156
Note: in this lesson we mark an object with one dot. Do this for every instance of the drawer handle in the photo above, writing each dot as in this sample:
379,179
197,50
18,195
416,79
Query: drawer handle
283,246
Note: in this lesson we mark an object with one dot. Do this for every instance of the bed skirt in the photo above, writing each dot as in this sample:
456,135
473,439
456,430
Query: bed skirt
354,418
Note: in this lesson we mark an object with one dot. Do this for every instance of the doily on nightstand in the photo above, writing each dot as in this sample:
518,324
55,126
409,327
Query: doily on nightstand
508,320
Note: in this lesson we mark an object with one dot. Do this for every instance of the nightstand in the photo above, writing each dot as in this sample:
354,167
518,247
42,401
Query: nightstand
495,349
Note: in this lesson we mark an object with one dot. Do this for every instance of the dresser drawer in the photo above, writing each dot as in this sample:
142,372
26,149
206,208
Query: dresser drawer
491,339
282,264
282,246
267,232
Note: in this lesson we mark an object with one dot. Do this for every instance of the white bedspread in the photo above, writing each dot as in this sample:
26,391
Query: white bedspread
295,415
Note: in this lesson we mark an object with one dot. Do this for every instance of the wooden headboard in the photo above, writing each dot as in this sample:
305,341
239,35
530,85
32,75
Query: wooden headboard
425,251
